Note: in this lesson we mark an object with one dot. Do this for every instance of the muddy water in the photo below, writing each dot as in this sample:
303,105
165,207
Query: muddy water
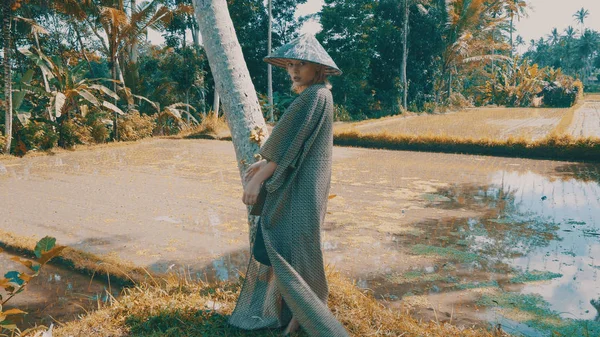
55,295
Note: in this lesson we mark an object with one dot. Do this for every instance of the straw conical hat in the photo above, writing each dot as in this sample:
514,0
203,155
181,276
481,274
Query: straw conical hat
305,47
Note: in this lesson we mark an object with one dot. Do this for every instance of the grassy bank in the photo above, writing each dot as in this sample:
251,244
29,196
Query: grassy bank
173,305
177,307
116,270
553,147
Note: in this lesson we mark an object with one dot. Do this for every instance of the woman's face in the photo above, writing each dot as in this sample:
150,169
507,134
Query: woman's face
301,72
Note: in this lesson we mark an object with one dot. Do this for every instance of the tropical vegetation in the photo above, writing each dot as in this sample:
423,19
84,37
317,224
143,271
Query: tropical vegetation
76,69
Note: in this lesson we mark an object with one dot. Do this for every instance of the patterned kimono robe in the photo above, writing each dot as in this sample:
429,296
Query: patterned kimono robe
301,144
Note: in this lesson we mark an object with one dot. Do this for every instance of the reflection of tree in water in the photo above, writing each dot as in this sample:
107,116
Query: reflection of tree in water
504,230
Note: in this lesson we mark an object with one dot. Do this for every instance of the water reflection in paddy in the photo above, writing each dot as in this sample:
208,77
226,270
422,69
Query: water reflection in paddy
530,228
56,295
571,210
532,234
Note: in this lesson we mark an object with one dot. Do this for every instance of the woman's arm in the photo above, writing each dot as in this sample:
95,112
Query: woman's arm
265,172
252,188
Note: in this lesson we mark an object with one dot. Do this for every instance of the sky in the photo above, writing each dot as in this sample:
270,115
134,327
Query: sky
543,16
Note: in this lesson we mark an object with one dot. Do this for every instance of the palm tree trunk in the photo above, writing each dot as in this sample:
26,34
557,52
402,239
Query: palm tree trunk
512,44
269,67
187,101
216,103
405,57
115,135
240,103
7,74
133,56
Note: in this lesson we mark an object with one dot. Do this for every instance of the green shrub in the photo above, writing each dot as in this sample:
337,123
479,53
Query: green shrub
38,136
558,96
99,132
134,126
457,102
73,132
592,87
340,113
2,143
430,107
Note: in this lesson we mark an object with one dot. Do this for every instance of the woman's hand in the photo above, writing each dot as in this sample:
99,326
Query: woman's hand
250,171
251,190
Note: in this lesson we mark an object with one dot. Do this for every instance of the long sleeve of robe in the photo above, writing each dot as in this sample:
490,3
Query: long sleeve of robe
294,210
293,134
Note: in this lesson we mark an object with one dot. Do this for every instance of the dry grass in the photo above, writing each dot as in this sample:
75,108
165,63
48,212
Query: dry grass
480,123
210,127
77,147
174,305
554,146
185,308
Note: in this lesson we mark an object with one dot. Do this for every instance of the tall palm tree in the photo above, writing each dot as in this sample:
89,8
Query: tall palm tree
569,36
468,37
519,41
554,36
6,23
588,44
515,9
405,31
580,17
231,76
570,33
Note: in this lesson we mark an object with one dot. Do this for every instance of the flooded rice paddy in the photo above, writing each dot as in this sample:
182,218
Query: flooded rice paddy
468,239
56,295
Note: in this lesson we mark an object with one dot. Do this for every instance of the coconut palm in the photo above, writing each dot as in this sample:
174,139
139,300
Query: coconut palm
588,45
469,36
570,33
405,31
519,41
569,37
554,36
515,9
580,17
240,102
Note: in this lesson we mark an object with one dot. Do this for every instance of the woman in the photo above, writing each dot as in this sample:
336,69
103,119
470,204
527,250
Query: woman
290,289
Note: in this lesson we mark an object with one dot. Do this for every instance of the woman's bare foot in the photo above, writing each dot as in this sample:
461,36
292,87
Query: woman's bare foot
292,327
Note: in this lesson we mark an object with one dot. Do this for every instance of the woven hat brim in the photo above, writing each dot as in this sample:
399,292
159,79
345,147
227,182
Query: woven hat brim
282,63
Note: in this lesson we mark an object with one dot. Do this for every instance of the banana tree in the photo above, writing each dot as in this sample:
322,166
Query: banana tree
117,32
171,116
68,88
70,94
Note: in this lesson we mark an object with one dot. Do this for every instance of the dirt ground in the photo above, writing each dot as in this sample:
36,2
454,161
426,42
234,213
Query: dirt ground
176,204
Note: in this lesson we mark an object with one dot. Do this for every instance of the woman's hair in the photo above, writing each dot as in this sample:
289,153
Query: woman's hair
320,77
